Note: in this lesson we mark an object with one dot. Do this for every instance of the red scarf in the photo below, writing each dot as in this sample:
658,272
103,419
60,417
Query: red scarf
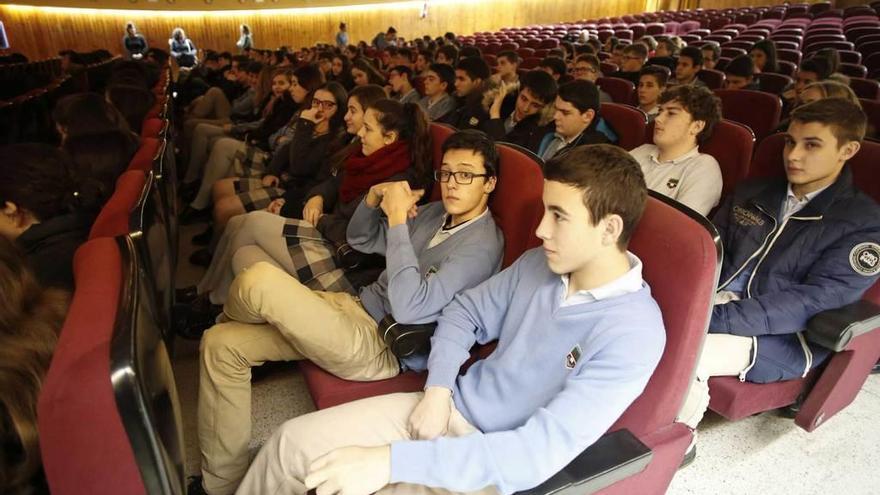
363,172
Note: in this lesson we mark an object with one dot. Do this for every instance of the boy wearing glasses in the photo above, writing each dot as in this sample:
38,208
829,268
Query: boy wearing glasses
588,67
432,253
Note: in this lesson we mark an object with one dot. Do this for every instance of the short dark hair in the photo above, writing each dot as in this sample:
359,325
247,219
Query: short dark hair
326,55
670,46
698,101
847,120
405,52
253,68
540,84
556,52
428,55
692,53
475,68
590,59
309,77
584,95
511,56
469,51
448,51
402,70
555,64
637,49
713,47
391,30
742,66
446,74
658,72
817,65
584,49
477,141
611,180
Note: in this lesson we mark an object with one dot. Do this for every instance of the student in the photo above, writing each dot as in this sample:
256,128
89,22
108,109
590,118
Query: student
508,64
809,71
400,79
632,60
740,74
711,51
556,67
471,76
363,73
325,63
439,83
828,89
824,255
523,118
666,48
763,53
447,54
340,71
133,43
652,83
402,57
588,68
576,116
246,40
447,247
487,433
673,165
342,36
424,59
690,63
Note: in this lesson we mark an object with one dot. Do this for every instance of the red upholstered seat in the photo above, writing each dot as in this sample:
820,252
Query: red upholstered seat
758,110
113,220
146,153
152,127
82,439
773,83
868,89
628,122
714,79
620,90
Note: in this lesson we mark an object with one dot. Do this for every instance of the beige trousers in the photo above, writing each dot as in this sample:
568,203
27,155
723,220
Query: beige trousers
282,464
723,355
274,318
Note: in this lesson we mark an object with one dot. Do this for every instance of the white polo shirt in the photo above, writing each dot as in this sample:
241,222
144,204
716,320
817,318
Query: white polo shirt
693,179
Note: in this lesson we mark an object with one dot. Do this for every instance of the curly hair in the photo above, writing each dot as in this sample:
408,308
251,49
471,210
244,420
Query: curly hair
700,103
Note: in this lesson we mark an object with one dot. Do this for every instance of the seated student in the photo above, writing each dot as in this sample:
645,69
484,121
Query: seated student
632,61
30,319
508,64
826,242
673,165
711,52
556,67
740,74
363,72
690,63
828,89
439,83
480,431
666,54
763,53
47,209
400,80
588,68
445,247
447,54
402,57
576,116
652,82
424,59
523,118
809,71
471,74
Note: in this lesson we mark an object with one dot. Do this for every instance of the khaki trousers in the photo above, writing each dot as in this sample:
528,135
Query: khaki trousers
282,464
274,318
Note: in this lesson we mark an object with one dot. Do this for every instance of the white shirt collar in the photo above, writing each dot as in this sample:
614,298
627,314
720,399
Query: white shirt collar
629,282
443,234
655,156
792,204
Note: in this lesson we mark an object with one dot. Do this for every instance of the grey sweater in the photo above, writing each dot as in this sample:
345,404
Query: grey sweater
418,282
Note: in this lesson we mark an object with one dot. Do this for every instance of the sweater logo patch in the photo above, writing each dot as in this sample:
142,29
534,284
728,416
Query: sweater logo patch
671,183
746,217
473,121
573,356
865,258
432,270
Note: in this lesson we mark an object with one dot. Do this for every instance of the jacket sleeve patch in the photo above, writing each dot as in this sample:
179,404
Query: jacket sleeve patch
865,258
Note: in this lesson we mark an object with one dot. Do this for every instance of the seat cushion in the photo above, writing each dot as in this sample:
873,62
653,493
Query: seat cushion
736,400
328,390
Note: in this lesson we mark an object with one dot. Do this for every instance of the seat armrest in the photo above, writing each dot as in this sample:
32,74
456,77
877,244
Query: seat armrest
614,457
835,328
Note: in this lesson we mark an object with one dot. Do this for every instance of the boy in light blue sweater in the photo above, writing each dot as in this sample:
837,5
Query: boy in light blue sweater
579,335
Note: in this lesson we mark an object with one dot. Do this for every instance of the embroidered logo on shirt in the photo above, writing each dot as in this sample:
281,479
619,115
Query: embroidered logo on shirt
671,183
572,358
432,270
865,258
746,217
473,122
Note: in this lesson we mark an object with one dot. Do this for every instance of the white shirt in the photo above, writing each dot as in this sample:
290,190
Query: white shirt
444,233
629,282
792,204
693,179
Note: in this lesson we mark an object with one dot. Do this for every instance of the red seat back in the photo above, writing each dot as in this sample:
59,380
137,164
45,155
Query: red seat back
113,220
620,90
674,246
760,111
872,110
516,202
146,153
773,83
628,122
82,439
152,127
439,133
714,79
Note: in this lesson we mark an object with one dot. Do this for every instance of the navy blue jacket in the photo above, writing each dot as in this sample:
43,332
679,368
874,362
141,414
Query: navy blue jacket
821,258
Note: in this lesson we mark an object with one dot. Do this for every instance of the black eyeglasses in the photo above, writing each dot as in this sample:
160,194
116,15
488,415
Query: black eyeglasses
461,178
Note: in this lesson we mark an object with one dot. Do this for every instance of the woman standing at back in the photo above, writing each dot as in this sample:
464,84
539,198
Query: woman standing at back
246,40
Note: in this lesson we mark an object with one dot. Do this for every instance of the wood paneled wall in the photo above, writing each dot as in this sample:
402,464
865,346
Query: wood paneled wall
40,32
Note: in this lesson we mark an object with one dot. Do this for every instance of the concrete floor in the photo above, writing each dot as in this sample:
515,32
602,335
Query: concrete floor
763,454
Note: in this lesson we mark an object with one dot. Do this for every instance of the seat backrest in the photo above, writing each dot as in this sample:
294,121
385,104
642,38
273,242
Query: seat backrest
620,90
714,79
152,127
628,122
439,133
758,110
674,244
143,158
872,110
773,83
83,442
793,56
516,202
868,89
113,219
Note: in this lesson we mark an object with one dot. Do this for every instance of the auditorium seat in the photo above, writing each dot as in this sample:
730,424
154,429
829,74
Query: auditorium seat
868,89
872,110
853,70
620,90
108,416
758,110
714,79
439,133
113,219
628,122
146,153
152,127
853,332
773,83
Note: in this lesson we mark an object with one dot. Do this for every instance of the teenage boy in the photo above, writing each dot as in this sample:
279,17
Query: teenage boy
588,68
823,252
471,76
632,60
447,54
523,118
508,64
740,74
556,67
442,248
578,338
439,82
575,116
400,80
690,63
652,83
711,52
673,165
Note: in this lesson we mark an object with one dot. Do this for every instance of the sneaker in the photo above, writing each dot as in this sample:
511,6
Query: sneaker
191,216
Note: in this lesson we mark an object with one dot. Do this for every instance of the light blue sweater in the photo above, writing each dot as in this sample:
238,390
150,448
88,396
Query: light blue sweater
533,412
